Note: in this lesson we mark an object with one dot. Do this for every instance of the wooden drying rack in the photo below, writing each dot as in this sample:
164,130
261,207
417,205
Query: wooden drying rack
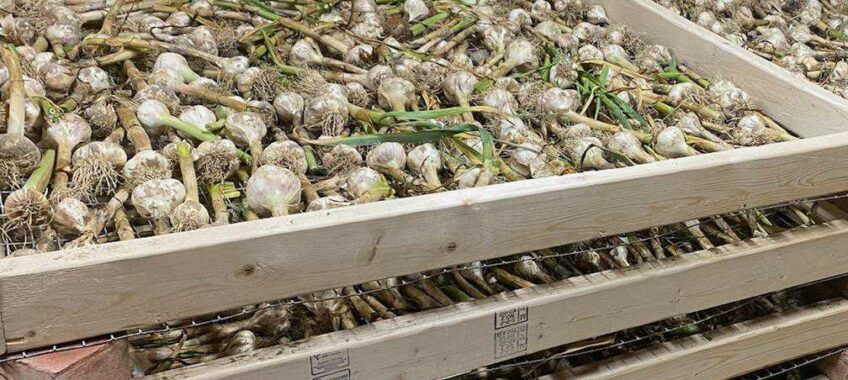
68,295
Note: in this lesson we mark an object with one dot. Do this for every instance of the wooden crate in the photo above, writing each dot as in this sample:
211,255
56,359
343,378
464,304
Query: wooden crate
63,296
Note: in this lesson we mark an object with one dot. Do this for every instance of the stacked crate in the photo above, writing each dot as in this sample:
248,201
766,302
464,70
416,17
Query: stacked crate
93,292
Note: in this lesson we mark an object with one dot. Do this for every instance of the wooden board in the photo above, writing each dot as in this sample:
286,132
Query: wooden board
460,338
731,351
802,106
66,295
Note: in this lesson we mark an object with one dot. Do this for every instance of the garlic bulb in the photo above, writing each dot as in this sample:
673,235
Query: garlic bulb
25,208
165,76
102,116
426,161
728,96
56,77
157,198
97,168
342,159
215,161
328,203
629,145
558,101
158,92
396,93
327,112
70,216
589,154
501,100
198,116
145,166
178,64
95,78
415,10
285,154
66,134
690,124
519,53
671,143
18,157
458,86
289,107
597,15
389,159
684,91
247,129
271,190
367,185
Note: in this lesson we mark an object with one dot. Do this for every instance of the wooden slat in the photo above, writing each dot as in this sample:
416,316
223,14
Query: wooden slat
802,106
732,351
463,337
66,295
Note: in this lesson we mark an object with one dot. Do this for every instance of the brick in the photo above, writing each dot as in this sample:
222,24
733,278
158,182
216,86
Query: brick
834,367
103,362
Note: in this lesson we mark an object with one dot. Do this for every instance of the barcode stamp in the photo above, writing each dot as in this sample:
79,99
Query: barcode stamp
511,317
326,365
511,332
341,375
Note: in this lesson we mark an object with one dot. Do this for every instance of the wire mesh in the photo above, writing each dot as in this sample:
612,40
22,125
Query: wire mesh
792,365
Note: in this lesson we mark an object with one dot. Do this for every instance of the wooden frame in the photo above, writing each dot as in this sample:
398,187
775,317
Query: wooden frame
813,111
464,337
731,351
61,296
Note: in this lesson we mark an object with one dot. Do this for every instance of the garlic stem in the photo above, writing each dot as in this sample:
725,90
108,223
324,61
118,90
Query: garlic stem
219,205
455,40
135,132
16,124
419,297
40,177
134,75
202,93
109,20
122,224
467,287
511,279
187,171
326,40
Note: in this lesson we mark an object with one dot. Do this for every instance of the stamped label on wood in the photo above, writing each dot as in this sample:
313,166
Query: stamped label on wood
331,366
511,332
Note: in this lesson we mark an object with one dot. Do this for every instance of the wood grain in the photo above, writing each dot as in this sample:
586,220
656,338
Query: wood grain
731,351
460,338
800,105
66,295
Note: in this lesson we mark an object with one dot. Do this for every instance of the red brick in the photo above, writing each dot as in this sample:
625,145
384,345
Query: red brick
834,367
103,362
